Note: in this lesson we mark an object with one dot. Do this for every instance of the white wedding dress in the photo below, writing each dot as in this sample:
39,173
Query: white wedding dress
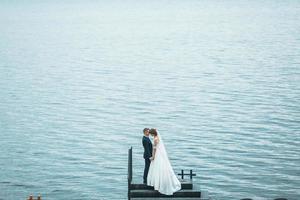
161,175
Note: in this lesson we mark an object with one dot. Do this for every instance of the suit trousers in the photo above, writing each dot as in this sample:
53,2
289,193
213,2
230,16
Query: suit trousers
146,170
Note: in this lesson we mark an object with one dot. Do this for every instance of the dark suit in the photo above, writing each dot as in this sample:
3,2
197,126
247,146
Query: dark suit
147,154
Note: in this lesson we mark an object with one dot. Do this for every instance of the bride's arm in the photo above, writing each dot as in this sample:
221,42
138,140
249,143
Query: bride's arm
154,148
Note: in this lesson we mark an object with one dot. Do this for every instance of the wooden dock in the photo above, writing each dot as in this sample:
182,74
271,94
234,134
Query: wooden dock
139,191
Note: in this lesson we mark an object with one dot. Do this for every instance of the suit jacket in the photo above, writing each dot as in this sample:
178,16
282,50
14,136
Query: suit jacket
147,144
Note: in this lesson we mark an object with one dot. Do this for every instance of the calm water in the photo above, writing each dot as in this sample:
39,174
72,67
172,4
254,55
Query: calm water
79,81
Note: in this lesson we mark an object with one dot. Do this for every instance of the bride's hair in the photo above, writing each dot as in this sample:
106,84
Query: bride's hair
153,131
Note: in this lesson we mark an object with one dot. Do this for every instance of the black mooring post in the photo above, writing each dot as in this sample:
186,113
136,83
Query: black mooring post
182,174
192,174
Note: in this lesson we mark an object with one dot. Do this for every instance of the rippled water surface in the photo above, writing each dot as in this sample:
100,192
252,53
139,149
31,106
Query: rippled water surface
79,80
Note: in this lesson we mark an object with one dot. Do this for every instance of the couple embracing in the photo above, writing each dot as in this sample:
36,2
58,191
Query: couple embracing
158,171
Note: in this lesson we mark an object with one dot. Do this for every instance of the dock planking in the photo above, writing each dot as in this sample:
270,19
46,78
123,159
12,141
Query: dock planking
166,198
154,193
185,185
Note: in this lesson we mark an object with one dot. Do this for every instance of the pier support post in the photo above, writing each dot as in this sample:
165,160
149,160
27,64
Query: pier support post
129,171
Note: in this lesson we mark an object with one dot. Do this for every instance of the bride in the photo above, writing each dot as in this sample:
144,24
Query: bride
161,175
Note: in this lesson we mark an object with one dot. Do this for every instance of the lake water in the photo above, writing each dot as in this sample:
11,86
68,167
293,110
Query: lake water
79,80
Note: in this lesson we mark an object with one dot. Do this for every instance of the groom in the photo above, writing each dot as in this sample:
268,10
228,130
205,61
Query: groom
147,153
